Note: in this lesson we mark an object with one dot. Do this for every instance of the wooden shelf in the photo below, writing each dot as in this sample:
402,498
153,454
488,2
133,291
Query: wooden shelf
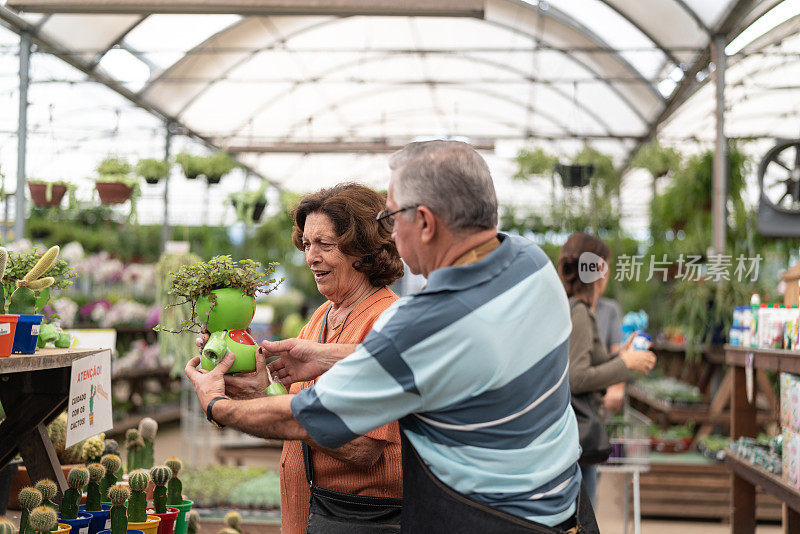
769,482
769,359
700,412
136,373
43,359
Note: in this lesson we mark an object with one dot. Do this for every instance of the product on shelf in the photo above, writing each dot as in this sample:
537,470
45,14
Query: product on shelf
765,326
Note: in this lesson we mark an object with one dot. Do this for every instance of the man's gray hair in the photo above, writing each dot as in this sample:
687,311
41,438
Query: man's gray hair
448,177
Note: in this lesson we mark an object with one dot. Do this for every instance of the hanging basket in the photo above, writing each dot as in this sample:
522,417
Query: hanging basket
575,175
258,208
40,197
113,192
213,179
151,180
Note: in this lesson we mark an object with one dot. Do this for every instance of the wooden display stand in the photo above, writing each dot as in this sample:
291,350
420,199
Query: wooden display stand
34,390
746,476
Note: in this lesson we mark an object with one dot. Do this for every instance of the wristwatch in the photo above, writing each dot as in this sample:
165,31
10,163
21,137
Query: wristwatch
208,411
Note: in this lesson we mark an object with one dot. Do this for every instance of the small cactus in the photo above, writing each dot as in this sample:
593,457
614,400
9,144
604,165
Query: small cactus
3,261
6,526
134,444
110,447
137,504
160,475
93,493
78,478
148,429
118,494
233,520
112,463
48,490
23,299
43,519
174,486
193,522
29,498
92,449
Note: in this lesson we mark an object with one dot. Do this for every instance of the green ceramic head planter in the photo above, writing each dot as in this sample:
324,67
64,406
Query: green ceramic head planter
222,294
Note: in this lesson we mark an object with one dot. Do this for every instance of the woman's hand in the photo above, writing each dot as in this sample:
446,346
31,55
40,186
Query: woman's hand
638,360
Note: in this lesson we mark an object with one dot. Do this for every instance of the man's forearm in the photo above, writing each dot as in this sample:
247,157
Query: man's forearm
335,352
266,417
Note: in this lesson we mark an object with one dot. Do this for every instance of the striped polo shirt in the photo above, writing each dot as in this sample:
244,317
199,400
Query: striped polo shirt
475,368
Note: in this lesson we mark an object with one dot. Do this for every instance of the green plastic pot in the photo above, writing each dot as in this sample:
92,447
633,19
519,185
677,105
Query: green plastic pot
233,310
182,523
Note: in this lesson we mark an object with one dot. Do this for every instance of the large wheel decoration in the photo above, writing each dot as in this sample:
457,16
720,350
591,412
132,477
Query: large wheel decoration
779,182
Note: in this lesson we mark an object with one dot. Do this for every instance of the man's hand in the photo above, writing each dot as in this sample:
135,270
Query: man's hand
300,359
208,384
249,385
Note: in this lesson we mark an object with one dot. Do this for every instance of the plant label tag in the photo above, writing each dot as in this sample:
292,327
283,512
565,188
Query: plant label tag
84,530
89,404
748,376
35,330
5,329
108,524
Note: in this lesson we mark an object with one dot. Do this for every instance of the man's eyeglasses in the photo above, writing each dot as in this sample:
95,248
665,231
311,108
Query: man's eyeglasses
387,219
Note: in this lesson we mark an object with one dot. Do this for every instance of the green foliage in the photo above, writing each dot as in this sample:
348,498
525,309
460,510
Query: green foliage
533,162
192,166
244,202
152,168
113,166
657,159
20,263
218,165
214,486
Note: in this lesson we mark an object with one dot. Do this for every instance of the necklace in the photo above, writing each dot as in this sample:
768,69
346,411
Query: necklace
340,326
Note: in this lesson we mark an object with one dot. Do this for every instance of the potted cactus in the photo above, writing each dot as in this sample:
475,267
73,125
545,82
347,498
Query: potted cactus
23,302
43,520
118,494
222,298
233,521
134,444
76,480
152,170
175,495
48,489
193,522
147,430
92,449
29,498
137,503
100,512
161,475
112,463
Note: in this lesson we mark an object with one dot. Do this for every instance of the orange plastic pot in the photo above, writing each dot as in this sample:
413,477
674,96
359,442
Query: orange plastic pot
61,529
8,326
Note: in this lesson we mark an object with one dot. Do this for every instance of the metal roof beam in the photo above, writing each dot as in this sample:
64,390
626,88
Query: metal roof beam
20,26
403,8
336,147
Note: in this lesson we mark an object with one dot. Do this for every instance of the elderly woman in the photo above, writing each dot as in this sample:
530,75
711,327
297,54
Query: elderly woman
353,259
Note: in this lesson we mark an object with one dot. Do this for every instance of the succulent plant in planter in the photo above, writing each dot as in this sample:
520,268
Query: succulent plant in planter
43,519
29,498
112,464
233,520
21,264
48,489
147,430
93,493
134,444
118,494
77,479
92,449
174,486
152,170
114,184
137,503
160,475
217,166
23,299
222,297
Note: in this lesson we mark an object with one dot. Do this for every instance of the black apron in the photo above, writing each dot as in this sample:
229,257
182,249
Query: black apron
429,505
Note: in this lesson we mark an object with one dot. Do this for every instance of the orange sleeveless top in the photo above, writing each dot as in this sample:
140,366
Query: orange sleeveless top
384,478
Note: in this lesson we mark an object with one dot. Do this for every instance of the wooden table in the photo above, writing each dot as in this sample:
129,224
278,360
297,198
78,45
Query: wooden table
745,476
34,390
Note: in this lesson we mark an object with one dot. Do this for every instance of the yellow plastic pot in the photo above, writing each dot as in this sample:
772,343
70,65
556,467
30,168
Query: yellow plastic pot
150,527
61,529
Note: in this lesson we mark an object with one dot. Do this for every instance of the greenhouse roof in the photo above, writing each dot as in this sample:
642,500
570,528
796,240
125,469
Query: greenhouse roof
348,80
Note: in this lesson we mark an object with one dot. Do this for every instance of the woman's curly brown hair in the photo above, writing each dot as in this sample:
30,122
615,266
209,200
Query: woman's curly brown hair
352,208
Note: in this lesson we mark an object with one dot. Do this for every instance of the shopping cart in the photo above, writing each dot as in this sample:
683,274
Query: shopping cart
630,455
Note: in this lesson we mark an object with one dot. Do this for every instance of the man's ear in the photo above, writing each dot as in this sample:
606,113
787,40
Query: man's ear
428,224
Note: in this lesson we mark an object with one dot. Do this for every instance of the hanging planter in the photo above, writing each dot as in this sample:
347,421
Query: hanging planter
113,192
115,185
217,166
46,194
191,165
575,175
152,170
249,205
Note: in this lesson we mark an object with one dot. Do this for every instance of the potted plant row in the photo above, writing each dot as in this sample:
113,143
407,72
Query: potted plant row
213,167
152,170
114,184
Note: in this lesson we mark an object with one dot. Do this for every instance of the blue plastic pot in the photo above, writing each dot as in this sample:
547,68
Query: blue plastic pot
130,531
27,334
80,525
100,520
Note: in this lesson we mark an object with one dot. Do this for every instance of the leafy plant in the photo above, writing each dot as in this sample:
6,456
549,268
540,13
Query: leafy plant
192,166
218,165
193,281
113,166
657,159
533,162
19,264
244,202
152,168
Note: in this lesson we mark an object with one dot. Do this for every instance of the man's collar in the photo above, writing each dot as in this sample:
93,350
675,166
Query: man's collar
460,277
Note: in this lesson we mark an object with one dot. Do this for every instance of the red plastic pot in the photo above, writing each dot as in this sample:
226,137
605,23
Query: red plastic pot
39,194
167,525
8,327
113,192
